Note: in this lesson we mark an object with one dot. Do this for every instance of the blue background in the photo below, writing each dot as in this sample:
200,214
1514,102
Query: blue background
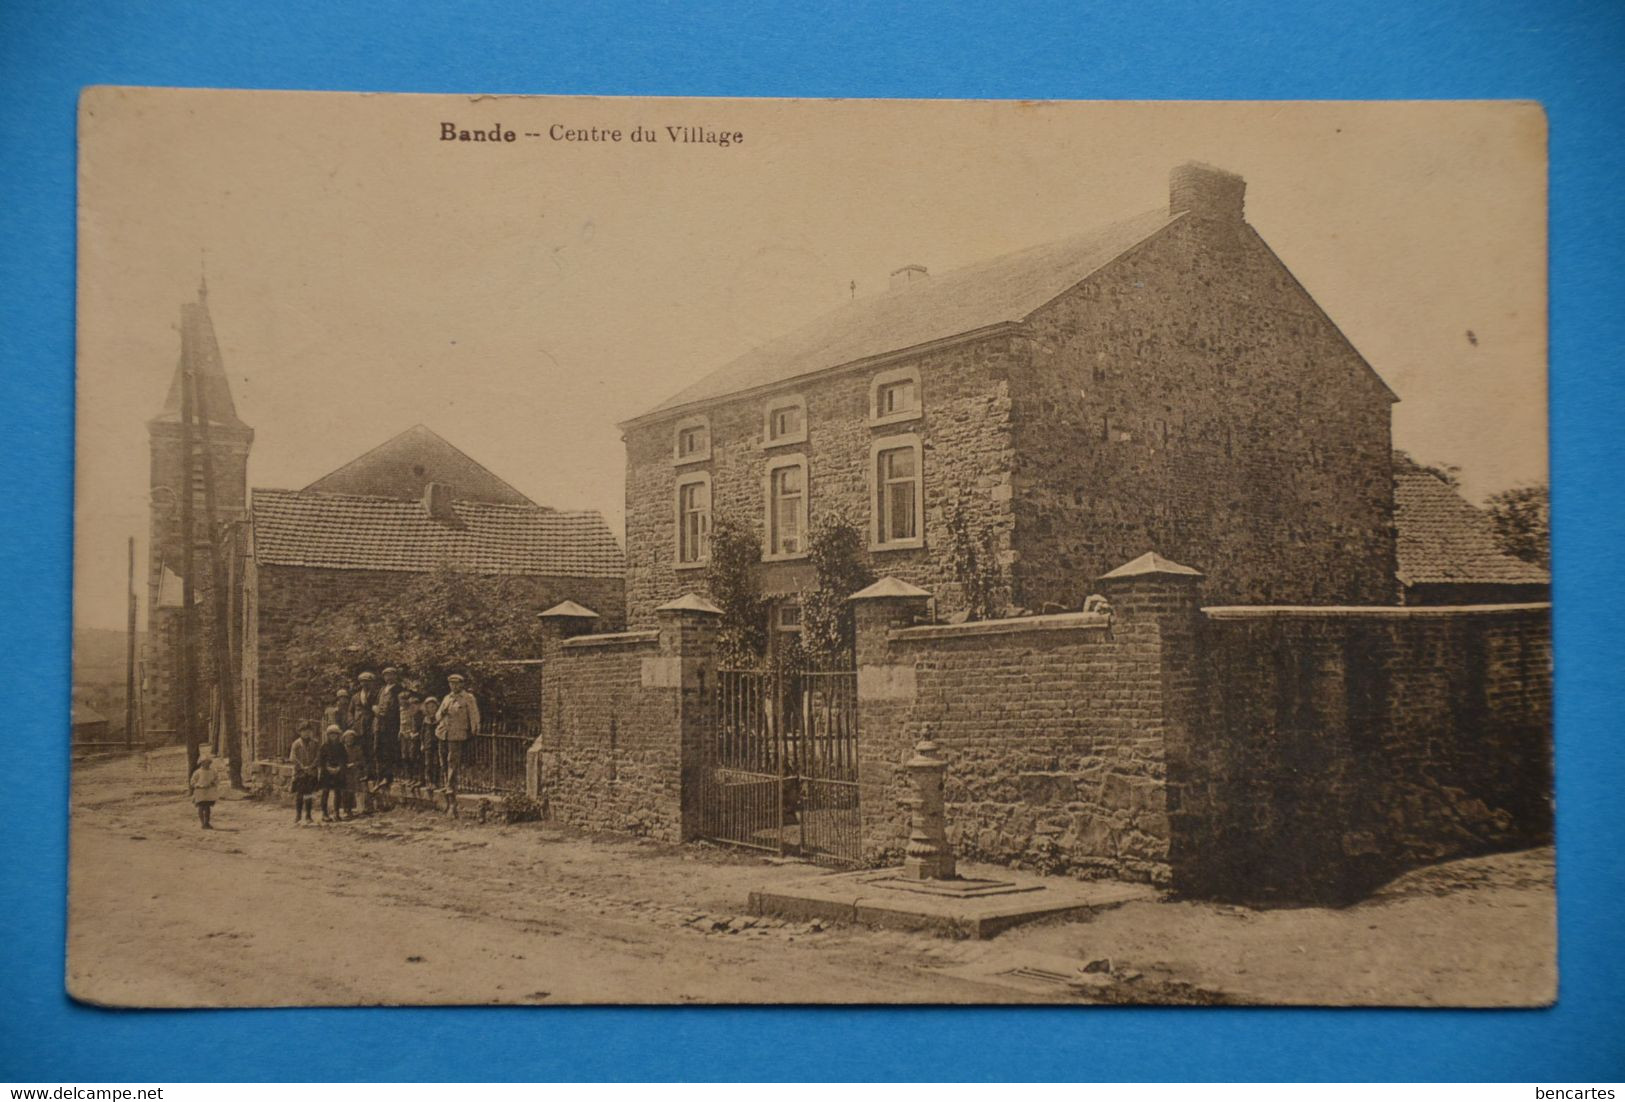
1568,55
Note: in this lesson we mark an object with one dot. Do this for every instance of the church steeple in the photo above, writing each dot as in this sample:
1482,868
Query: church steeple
200,352
175,475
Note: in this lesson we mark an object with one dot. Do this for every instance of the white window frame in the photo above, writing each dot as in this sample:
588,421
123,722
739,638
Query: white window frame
696,478
778,617
775,465
788,401
699,456
891,378
895,443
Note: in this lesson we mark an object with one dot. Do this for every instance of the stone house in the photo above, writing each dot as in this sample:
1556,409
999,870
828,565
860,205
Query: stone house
1448,554
1162,382
408,506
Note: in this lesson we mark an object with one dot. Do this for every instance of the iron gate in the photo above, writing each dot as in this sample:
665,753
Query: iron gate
781,764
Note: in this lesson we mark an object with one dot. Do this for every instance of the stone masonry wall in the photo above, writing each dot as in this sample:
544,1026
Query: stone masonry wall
1342,746
965,443
1289,753
622,721
1053,729
285,597
608,751
1191,397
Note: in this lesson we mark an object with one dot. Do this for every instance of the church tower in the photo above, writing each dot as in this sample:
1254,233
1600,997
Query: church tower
216,428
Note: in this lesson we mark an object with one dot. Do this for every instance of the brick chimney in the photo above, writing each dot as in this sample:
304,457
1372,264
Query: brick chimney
437,503
1206,192
907,274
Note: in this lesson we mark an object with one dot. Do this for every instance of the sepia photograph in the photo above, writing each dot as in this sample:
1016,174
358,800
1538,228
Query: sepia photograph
553,550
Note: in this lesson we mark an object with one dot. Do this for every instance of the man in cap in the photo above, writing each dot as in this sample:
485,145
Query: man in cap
363,722
387,731
457,721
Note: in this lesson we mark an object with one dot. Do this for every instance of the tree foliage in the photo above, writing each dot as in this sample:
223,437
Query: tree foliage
731,578
1523,525
828,633
431,625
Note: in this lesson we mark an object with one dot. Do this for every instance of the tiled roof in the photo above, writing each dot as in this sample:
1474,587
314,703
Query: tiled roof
1006,289
348,532
1443,538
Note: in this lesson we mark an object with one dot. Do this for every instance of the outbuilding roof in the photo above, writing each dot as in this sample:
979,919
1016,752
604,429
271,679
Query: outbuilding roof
354,532
1443,538
1004,290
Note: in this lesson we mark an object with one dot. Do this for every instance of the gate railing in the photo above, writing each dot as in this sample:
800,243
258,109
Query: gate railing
494,760
831,830
781,764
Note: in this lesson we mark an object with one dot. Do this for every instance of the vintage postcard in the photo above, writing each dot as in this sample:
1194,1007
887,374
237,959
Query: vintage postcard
586,550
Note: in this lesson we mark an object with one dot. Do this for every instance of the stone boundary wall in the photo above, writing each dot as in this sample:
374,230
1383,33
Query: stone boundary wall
1265,753
1052,727
1340,746
620,715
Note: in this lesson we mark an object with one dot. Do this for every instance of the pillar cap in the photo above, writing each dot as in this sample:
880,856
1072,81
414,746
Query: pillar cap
1150,565
888,587
570,609
690,602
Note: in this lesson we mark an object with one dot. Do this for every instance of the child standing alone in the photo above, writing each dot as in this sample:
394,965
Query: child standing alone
204,786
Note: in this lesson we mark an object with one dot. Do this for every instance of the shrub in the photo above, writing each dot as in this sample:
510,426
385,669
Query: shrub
828,633
736,550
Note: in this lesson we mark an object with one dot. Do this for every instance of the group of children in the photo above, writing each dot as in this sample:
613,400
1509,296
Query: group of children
333,765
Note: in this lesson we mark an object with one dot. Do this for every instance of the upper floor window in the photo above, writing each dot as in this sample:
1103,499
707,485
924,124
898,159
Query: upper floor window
786,508
693,441
694,520
898,519
785,422
894,396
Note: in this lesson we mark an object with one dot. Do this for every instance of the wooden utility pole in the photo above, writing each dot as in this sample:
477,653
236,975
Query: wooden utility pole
225,658
188,649
129,656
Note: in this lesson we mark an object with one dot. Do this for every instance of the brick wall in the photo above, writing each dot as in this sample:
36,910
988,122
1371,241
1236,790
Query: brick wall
965,442
1053,728
1341,746
1291,753
283,597
1193,398
622,716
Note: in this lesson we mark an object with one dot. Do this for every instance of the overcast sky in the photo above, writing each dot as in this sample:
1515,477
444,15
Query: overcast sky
521,298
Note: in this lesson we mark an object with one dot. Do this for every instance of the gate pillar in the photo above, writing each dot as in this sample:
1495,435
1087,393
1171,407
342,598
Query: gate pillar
688,664
886,689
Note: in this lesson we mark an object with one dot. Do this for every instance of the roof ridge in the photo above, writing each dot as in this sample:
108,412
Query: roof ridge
998,290
410,503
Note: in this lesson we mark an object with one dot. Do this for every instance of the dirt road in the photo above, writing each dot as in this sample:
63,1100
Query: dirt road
409,907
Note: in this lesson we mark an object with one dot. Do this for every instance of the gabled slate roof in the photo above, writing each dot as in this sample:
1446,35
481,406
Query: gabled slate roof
1004,290
354,532
1442,538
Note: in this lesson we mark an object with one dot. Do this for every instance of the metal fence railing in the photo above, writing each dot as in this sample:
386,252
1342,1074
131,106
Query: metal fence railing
494,760
274,740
